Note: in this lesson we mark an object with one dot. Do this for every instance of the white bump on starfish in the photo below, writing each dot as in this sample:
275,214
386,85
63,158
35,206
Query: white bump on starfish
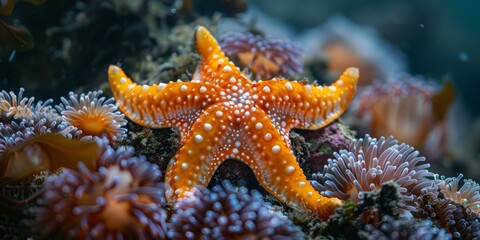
227,68
198,138
207,126
289,86
161,86
183,88
267,137
266,89
276,149
353,72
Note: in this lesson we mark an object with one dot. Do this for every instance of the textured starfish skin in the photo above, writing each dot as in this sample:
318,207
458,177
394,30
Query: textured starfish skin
222,114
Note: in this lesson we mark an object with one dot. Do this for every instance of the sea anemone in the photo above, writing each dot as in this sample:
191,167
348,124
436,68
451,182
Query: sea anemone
411,110
122,199
19,107
456,219
93,115
264,56
468,195
226,213
368,163
14,134
46,152
395,229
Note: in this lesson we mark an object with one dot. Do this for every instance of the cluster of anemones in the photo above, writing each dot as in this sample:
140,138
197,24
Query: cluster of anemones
122,198
228,213
90,114
370,162
266,57
25,125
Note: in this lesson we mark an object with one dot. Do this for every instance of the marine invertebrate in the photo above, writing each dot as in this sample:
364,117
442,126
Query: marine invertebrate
93,115
455,218
19,107
45,152
222,114
32,146
228,213
468,195
14,134
411,110
368,163
395,229
266,57
122,199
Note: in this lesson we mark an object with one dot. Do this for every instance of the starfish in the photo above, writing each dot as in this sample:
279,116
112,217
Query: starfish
223,115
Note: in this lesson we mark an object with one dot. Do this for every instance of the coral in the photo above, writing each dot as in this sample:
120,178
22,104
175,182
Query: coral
265,56
368,163
396,229
324,142
123,198
227,213
94,115
468,195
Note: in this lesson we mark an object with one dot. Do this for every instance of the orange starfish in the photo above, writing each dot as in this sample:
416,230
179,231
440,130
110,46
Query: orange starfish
222,114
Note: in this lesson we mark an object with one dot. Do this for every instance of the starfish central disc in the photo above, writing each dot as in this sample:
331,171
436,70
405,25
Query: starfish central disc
222,114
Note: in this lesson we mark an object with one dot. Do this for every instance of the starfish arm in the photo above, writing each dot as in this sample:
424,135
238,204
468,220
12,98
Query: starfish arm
266,152
215,67
176,104
306,106
203,150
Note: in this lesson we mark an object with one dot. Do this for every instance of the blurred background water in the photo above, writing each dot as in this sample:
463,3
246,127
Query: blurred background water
440,38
